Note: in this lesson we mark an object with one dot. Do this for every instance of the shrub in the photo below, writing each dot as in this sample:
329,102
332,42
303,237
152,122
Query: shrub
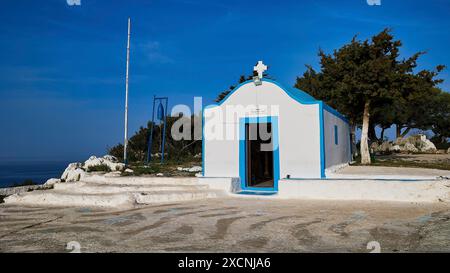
99,168
26,182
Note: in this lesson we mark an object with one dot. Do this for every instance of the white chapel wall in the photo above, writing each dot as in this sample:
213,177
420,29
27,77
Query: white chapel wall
340,153
298,125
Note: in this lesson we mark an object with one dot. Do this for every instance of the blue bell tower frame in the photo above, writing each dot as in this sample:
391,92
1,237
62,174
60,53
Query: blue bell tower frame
161,114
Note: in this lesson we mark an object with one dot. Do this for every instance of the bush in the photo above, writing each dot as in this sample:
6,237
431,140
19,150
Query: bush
2,197
99,168
175,149
152,169
442,146
440,143
26,182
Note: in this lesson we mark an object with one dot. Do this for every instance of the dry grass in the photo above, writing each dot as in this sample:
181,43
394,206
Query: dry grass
428,161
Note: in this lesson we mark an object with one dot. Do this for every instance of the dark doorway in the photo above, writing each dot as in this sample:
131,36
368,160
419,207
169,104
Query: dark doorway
259,155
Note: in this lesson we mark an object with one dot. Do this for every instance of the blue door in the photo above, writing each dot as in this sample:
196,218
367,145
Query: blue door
259,155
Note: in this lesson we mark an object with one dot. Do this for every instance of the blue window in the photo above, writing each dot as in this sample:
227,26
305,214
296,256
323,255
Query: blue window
336,140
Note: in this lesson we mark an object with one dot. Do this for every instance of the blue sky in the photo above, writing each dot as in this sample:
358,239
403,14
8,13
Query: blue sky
62,67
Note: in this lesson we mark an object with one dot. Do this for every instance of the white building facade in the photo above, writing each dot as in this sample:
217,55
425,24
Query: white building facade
263,134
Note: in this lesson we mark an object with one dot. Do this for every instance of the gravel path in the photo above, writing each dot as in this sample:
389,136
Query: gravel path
230,225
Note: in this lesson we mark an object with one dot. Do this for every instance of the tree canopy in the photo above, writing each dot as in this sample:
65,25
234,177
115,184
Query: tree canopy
369,83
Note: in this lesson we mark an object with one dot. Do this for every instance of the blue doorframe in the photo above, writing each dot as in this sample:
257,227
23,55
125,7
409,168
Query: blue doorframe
242,151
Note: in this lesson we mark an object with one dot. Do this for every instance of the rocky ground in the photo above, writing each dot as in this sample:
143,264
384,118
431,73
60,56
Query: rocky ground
418,158
430,161
230,225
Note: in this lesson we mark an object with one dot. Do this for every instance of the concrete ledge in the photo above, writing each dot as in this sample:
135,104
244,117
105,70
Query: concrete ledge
345,189
139,180
404,191
51,198
14,190
227,184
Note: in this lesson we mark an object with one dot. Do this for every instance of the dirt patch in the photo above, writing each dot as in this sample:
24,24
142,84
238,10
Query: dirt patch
428,161
254,242
222,226
185,230
282,226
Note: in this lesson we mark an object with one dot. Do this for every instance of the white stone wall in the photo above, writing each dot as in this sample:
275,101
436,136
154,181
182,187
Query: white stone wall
336,155
299,132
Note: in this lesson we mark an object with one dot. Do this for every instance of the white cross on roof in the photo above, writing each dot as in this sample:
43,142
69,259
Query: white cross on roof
260,68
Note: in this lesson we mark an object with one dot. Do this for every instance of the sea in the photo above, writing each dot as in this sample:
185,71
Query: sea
16,172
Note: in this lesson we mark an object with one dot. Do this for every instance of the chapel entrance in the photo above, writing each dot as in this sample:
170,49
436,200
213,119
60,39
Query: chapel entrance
259,155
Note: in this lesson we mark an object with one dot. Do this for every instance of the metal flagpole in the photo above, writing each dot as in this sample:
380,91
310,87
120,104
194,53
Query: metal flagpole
125,145
150,139
164,132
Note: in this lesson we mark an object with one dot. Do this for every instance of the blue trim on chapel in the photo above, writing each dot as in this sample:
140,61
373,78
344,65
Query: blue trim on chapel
299,96
242,154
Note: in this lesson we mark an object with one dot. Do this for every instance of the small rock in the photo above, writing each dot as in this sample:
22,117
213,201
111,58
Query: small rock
129,170
68,172
374,147
426,145
198,175
113,174
159,174
111,158
385,147
195,169
75,175
448,151
401,141
107,160
51,182
158,155
409,147
395,148
181,169
92,162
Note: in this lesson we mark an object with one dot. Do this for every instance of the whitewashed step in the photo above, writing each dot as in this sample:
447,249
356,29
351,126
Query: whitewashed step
117,192
92,188
127,180
54,198
162,197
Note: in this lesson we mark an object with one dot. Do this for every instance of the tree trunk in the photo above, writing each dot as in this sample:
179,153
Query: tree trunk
402,135
365,154
372,133
353,139
398,131
382,134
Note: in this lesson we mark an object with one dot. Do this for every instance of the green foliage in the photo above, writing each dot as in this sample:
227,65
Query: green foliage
225,93
26,182
169,168
407,164
174,149
371,71
440,120
116,151
142,170
242,79
99,168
